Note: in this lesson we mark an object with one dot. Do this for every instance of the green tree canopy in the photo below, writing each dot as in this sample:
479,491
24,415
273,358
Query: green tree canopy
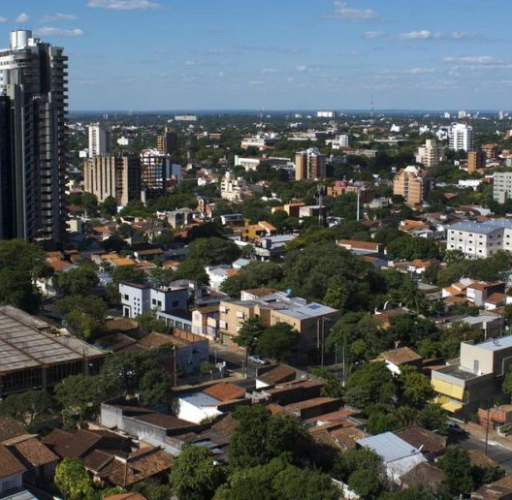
73,481
213,251
84,315
456,465
279,342
78,281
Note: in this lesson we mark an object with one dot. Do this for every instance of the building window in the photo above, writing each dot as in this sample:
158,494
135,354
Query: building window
126,297
176,304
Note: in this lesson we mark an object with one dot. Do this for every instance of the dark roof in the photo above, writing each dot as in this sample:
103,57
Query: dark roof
226,425
422,439
9,464
10,428
167,422
278,374
96,460
424,474
33,453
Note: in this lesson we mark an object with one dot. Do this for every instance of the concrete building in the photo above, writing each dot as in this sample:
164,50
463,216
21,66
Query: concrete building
140,298
260,141
167,143
100,140
339,142
158,172
36,356
233,188
476,160
308,319
471,382
480,240
431,154
502,186
115,176
461,137
326,114
33,103
413,183
310,164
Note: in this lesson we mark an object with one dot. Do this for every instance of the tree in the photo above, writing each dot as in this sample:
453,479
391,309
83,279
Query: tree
506,386
433,418
77,281
195,474
410,248
109,207
128,273
84,315
249,335
373,383
415,386
72,480
213,251
21,264
32,408
192,270
456,465
293,483
279,342
151,488
154,388
364,484
160,276
332,387
80,397
148,322
90,204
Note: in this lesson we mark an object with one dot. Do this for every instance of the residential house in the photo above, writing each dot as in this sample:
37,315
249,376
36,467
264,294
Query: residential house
11,471
395,359
138,298
498,490
432,445
492,325
397,455
464,386
205,321
423,475
252,231
271,375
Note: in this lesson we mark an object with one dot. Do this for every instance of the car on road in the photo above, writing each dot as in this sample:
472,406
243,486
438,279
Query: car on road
257,360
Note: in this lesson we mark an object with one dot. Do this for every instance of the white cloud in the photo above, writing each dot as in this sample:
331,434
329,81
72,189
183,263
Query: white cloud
421,71
49,31
483,60
420,35
301,69
343,11
374,34
57,17
123,4
464,35
22,18
3,20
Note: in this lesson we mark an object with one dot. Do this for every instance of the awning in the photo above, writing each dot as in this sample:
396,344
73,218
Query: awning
452,390
452,406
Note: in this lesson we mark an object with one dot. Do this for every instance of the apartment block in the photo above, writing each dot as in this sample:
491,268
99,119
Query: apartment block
502,186
431,154
310,164
471,382
233,188
100,140
413,183
480,239
461,137
167,143
140,298
116,176
476,160
311,320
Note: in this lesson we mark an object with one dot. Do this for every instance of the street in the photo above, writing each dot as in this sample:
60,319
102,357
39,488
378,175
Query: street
234,358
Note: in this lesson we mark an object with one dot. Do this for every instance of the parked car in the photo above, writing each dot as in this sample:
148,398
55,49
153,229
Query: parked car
257,360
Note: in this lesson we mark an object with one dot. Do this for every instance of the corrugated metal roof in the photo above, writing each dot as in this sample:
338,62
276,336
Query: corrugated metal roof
389,446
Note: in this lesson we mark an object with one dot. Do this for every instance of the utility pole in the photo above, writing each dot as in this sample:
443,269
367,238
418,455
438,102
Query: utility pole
487,428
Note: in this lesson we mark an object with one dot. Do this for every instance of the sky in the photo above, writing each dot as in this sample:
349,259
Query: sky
276,54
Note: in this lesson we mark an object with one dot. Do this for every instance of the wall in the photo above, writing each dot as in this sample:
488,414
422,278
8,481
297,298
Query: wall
11,482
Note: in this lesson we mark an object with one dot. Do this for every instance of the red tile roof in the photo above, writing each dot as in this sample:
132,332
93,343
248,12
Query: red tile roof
9,464
34,453
224,391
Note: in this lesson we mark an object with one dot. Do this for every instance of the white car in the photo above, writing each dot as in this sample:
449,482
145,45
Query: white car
257,360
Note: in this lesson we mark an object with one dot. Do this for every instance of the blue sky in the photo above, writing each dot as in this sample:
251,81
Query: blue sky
277,54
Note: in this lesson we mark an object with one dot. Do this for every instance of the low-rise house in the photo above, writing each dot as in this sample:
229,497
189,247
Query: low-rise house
494,418
209,403
432,445
397,455
260,230
291,392
138,298
361,247
269,376
310,408
464,386
180,319
499,490
11,472
492,325
402,356
423,475
205,321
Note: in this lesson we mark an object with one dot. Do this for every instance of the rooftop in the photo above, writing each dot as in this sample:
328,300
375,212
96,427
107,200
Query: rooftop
496,344
26,342
483,227
389,446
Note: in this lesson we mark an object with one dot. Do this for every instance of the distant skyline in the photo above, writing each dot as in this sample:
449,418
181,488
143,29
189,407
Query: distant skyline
147,55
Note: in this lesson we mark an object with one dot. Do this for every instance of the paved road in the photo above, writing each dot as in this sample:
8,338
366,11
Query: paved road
234,358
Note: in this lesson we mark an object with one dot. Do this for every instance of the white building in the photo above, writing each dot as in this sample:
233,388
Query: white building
430,154
480,240
100,140
502,186
260,141
232,188
461,137
326,114
339,142
140,298
123,141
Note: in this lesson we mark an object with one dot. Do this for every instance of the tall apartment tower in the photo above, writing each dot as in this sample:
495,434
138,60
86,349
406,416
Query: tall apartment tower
430,154
461,137
502,186
100,140
167,143
310,164
33,102
476,160
115,176
413,184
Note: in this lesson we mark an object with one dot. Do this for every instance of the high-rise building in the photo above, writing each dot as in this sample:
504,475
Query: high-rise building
430,154
461,137
476,160
100,140
310,164
33,88
502,186
116,176
413,184
167,143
